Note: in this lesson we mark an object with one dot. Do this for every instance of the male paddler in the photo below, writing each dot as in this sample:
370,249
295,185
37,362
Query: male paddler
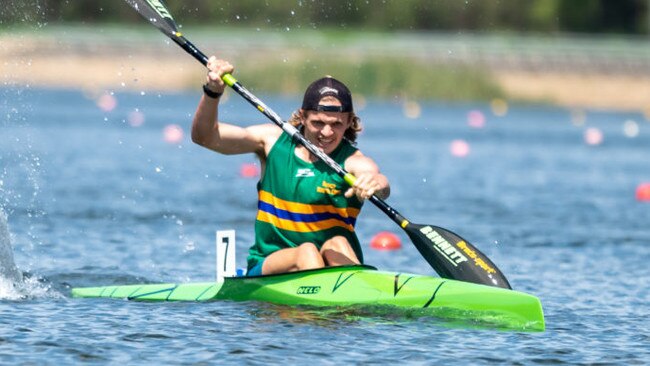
306,212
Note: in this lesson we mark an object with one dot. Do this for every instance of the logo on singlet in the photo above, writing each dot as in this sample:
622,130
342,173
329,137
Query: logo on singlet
304,173
328,188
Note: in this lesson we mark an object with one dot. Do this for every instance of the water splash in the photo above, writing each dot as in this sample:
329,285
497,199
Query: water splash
13,285
10,276
8,270
28,288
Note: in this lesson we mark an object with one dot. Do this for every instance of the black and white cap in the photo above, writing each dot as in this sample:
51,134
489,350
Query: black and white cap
327,86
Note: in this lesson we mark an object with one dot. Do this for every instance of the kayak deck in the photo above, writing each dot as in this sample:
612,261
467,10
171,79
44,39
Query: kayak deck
352,286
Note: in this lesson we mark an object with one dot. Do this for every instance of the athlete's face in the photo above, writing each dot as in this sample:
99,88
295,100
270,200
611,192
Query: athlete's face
326,129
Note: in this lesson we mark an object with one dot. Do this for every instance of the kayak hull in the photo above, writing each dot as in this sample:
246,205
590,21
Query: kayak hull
352,286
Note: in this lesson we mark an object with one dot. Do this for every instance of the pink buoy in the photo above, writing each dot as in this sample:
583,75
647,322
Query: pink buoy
106,102
593,136
459,148
136,118
249,170
385,241
476,119
643,192
173,134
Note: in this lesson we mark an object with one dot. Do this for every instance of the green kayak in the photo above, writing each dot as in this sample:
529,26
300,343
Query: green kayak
353,286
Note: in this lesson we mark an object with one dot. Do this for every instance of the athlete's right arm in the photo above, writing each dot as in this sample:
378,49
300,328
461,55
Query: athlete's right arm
222,137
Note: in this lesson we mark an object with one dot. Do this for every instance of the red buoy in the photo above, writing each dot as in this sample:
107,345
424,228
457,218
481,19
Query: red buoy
643,192
249,170
385,241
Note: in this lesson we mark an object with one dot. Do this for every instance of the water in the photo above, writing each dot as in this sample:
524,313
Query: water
91,199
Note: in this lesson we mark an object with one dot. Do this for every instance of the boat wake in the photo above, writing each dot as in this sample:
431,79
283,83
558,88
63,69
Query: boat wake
13,284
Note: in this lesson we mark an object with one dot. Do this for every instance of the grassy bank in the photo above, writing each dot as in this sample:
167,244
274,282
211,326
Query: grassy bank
266,61
570,71
386,77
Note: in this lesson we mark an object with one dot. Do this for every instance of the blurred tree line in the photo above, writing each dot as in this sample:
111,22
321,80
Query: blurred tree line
581,16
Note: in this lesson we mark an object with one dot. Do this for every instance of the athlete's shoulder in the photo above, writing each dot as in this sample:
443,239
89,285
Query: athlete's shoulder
266,130
267,133
357,161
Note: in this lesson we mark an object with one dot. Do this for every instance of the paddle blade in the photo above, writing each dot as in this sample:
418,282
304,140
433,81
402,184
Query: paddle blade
453,257
156,13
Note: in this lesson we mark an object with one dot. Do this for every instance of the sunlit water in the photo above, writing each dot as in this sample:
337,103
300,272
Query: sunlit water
92,198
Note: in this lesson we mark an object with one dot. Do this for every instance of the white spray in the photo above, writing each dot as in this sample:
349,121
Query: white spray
9,274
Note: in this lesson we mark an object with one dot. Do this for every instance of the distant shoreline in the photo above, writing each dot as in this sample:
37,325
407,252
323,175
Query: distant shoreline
113,64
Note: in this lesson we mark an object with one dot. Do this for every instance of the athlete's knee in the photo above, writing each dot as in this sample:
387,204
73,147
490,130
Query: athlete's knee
337,243
309,257
337,251
307,248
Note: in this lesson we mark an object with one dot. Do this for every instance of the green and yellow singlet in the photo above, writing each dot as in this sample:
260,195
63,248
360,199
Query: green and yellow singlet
302,202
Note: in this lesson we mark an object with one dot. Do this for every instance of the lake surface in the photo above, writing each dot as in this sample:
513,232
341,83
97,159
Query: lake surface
94,197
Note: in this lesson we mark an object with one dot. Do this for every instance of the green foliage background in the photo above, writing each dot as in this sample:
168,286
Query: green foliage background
592,16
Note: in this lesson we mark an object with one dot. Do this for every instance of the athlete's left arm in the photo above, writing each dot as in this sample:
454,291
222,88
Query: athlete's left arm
369,180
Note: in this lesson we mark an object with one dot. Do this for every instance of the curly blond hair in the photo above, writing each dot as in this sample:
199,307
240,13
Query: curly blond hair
350,134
